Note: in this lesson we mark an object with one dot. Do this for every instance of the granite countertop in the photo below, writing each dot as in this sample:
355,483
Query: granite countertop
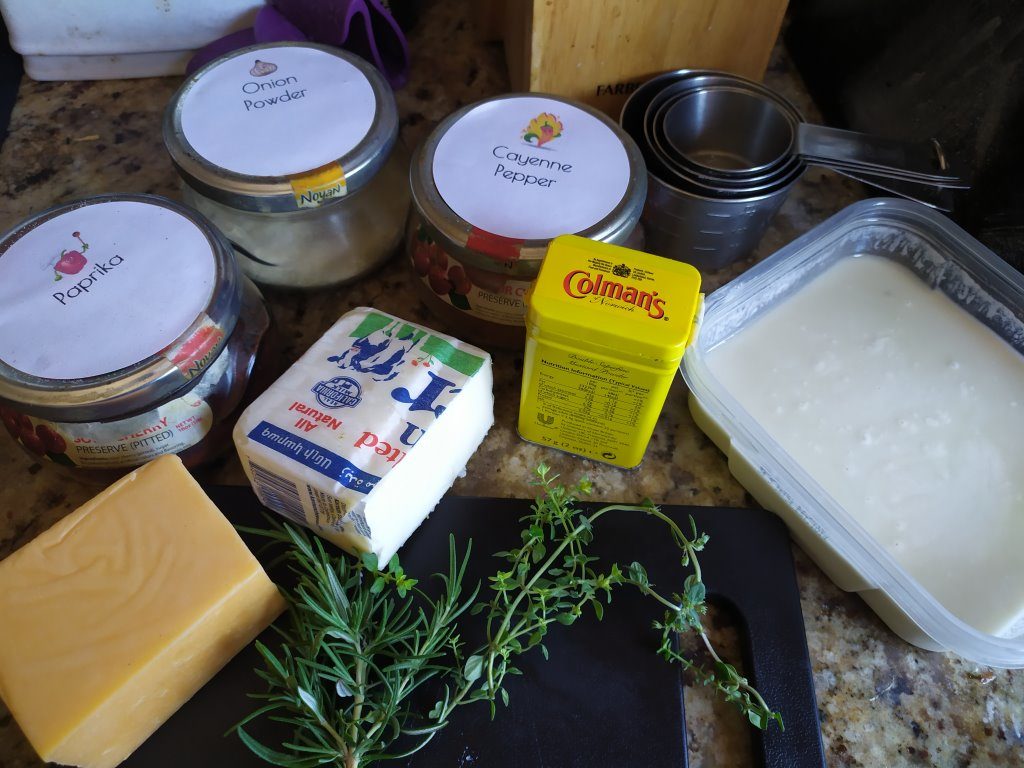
881,701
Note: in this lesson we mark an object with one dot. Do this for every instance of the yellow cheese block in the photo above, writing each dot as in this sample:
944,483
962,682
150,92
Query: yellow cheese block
115,616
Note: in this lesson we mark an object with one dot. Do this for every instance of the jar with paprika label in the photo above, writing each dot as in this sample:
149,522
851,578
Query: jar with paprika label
128,333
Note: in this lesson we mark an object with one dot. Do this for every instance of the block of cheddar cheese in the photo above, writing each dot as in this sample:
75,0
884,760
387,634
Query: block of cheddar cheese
116,615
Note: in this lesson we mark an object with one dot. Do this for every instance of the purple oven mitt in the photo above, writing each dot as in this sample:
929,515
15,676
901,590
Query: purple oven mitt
375,35
364,27
270,27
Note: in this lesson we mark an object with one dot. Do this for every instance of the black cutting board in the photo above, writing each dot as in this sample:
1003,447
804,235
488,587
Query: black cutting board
604,697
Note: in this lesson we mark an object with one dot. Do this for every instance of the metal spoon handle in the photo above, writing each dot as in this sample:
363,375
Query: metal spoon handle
940,198
901,176
821,145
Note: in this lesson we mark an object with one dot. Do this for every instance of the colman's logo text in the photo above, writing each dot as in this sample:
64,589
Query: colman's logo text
580,284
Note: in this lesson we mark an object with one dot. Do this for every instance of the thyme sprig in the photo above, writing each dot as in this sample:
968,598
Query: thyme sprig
363,639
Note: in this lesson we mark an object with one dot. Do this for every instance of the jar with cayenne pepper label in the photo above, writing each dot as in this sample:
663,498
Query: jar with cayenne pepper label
606,330
128,333
493,184
292,150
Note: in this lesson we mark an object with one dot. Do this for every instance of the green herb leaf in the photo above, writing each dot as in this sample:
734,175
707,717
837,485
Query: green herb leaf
369,560
309,700
473,669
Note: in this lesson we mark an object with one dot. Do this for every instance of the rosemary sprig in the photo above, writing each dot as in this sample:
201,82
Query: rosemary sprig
363,639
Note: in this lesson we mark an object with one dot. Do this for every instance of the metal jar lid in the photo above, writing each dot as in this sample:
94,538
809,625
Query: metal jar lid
359,163
518,257
181,293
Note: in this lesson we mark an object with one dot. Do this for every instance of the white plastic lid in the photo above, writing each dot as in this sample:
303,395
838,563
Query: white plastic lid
100,287
531,168
277,110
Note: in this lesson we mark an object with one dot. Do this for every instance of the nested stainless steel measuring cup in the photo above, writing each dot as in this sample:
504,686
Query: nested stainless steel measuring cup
713,181
684,219
723,152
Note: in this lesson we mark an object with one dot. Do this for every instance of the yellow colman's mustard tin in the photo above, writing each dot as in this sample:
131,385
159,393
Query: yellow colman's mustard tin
606,329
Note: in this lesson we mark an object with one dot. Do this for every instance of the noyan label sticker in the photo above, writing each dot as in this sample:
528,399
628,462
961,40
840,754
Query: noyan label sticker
101,287
531,168
315,188
278,111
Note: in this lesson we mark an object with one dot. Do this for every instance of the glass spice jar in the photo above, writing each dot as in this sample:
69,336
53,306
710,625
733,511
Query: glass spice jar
129,333
292,150
493,184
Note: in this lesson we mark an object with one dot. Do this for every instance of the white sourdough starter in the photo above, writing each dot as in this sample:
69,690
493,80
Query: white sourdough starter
910,414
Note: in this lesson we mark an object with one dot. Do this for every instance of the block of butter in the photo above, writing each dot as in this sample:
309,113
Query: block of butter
361,437
116,615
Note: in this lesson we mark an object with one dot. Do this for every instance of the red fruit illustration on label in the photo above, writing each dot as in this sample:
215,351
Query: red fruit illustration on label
421,259
71,262
34,444
52,441
438,280
460,282
421,249
542,129
438,258
431,262
10,419
27,435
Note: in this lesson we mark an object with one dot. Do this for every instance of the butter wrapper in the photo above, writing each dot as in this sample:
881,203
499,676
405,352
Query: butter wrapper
361,437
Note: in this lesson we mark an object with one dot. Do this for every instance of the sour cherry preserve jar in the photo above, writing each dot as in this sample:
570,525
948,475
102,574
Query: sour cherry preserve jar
128,333
493,184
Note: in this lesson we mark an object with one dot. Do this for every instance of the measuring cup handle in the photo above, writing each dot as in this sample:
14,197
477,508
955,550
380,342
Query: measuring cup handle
821,144
934,197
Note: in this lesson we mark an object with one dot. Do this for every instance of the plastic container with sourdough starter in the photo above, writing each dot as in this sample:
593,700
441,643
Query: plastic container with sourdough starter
944,258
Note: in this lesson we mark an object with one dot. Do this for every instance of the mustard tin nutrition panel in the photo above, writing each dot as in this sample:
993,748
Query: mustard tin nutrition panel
606,329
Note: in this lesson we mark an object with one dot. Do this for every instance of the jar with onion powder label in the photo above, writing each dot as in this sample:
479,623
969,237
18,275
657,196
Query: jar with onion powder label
493,184
128,333
292,150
